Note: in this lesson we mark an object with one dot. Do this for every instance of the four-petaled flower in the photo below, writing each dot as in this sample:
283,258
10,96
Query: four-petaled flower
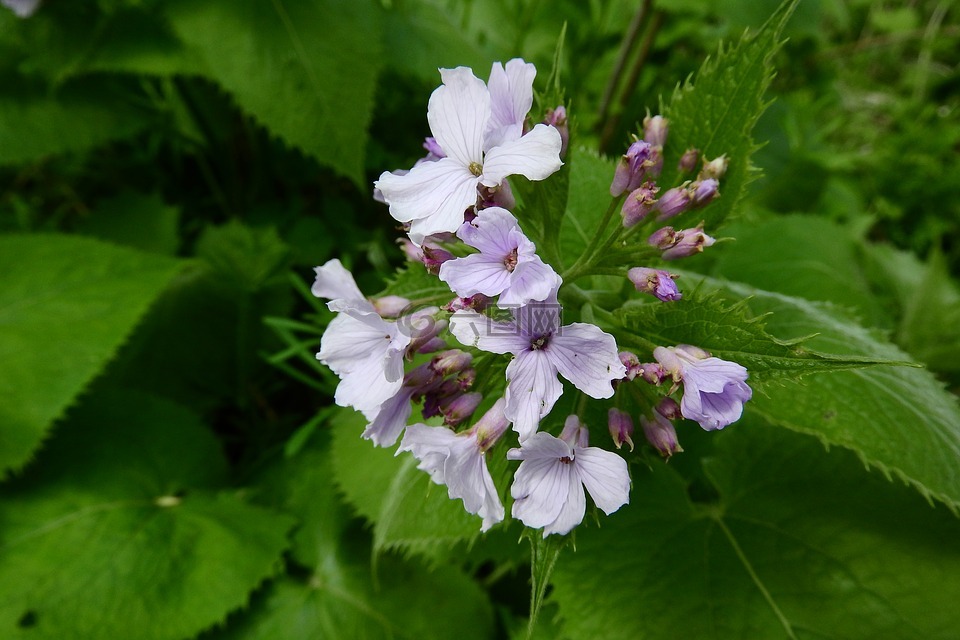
433,196
548,487
714,390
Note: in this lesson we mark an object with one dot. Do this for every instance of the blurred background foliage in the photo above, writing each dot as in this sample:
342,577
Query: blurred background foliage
241,139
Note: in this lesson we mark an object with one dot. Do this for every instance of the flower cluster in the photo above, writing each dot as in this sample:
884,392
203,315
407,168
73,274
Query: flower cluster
391,354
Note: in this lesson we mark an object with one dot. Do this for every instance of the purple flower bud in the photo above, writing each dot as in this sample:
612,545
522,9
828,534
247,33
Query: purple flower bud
390,306
655,130
432,345
621,427
457,408
434,152
477,302
668,408
714,168
491,425
638,204
674,202
422,327
656,282
575,433
420,378
557,118
632,364
632,167
661,434
433,257
690,242
498,196
704,192
450,361
663,238
436,394
652,372
466,378
688,161
410,250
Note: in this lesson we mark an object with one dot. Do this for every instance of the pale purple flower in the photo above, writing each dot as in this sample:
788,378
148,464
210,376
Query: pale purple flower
714,390
656,282
458,460
580,352
433,196
507,264
548,487
362,348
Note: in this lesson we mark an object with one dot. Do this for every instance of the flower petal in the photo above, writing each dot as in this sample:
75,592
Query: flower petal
605,476
532,281
573,509
391,420
492,232
334,282
458,112
539,491
535,156
532,390
477,330
587,357
476,273
511,96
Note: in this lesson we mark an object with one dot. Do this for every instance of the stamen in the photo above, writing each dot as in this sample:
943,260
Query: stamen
476,168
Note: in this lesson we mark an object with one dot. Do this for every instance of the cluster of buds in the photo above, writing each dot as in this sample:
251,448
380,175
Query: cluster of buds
680,244
658,429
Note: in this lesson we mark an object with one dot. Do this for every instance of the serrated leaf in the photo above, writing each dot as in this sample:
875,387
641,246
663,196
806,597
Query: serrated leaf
801,544
898,419
305,70
407,510
119,529
716,112
66,306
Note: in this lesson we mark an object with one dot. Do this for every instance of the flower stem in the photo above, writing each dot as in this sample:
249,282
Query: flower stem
587,258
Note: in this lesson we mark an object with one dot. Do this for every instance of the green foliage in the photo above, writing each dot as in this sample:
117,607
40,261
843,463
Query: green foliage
66,306
135,220
120,527
590,177
305,70
798,543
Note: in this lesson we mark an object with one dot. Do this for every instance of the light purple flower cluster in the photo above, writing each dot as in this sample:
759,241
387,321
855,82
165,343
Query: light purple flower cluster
455,203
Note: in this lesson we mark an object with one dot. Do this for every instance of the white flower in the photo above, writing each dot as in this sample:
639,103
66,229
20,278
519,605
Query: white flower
433,196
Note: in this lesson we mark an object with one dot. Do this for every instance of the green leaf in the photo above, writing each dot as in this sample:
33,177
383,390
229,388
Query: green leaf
305,70
589,195
36,123
898,419
800,544
407,510
135,220
66,306
730,332
119,529
418,285
717,111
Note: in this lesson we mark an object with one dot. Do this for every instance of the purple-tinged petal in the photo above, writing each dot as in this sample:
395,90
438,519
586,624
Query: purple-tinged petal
476,273
535,156
492,231
390,421
476,330
540,489
511,96
711,375
532,281
574,508
605,476
458,112
532,390
587,357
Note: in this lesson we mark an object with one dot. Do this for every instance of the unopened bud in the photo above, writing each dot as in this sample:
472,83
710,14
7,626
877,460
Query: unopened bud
631,168
674,202
432,345
690,242
434,152
632,364
621,427
653,372
466,378
433,257
669,409
557,118
459,407
703,192
656,282
390,306
714,168
688,161
450,361
477,302
655,130
410,250
661,434
638,204
663,238
498,196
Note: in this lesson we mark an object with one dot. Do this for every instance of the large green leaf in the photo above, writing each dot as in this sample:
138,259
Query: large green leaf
801,543
306,70
716,112
899,419
66,305
119,530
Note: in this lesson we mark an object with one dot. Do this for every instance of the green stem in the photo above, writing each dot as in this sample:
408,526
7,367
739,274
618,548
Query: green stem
587,258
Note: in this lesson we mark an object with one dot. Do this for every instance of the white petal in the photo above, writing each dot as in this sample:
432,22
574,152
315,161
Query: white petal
458,112
532,280
573,509
348,341
534,156
477,330
541,445
391,420
493,231
476,273
605,476
587,357
532,390
540,489
334,282
511,96
365,388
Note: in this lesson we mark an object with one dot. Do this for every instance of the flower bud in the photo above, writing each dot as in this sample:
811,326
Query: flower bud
477,302
557,118
632,364
656,282
575,433
466,378
432,345
459,407
714,168
410,250
420,378
674,202
668,408
690,242
638,204
498,196
632,167
703,192
663,238
661,434
653,372
390,306
621,427
422,327
655,130
688,161
437,394
450,361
